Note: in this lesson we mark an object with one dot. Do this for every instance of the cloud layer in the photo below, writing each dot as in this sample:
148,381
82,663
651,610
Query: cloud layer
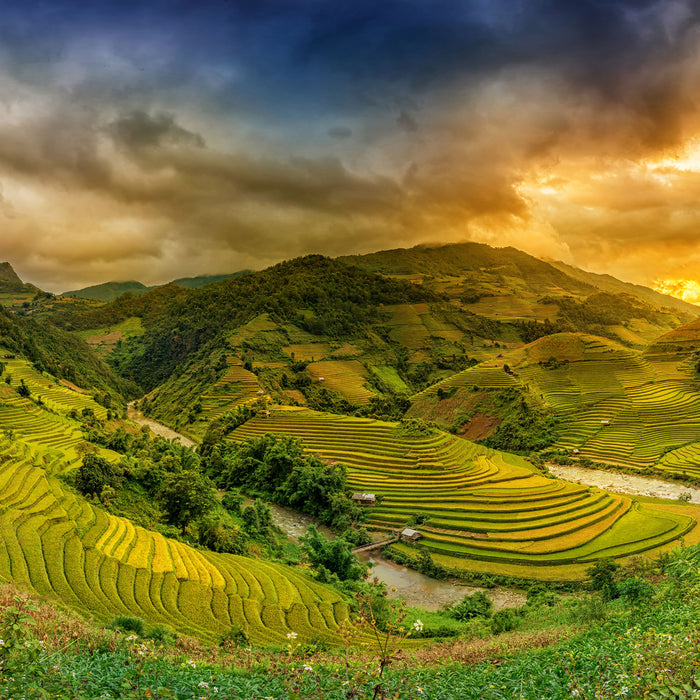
181,138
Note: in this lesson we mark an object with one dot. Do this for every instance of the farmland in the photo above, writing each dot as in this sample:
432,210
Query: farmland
61,545
483,509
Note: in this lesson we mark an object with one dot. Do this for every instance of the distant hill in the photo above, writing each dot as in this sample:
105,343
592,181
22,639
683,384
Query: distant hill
511,286
10,281
108,291
607,283
202,280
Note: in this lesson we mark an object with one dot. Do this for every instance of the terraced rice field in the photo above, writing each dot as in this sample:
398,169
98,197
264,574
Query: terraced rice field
237,387
651,411
481,376
54,395
52,435
413,326
482,506
347,377
307,352
61,545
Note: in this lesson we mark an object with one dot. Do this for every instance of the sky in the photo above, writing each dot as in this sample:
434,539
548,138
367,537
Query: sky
156,140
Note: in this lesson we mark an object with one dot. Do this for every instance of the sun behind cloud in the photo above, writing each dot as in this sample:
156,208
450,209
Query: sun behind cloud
687,290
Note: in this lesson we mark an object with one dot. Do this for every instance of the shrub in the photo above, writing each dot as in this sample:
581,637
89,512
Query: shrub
128,623
504,620
236,636
635,590
161,633
476,605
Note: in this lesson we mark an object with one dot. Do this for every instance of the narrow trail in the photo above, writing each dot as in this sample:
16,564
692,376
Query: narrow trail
158,428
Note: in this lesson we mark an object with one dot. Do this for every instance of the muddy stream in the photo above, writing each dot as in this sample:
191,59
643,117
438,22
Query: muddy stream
158,428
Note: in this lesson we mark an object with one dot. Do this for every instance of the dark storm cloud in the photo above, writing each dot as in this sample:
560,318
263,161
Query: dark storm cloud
260,129
138,129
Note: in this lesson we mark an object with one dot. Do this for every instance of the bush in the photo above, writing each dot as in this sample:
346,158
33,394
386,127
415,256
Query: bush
236,636
504,620
128,623
635,590
602,576
161,633
476,605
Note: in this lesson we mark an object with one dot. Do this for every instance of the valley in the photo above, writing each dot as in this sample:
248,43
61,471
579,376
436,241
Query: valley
457,404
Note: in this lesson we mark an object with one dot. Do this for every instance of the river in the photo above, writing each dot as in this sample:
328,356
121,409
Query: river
624,483
401,582
157,428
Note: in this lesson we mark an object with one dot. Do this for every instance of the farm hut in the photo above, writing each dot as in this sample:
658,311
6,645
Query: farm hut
321,379
410,535
261,391
605,422
364,499
575,451
264,414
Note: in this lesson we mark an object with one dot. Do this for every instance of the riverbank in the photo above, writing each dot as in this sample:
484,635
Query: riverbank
158,428
624,483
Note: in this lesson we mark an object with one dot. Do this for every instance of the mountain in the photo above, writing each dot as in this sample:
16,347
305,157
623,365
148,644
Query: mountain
109,291
62,354
509,285
607,283
202,280
10,281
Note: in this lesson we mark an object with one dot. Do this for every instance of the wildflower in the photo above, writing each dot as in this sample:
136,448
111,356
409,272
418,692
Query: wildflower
189,663
203,684
292,635
2,642
132,638
308,668
419,689
418,626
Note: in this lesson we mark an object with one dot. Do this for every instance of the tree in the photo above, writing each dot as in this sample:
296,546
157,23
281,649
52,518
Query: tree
603,575
186,496
23,390
95,473
332,557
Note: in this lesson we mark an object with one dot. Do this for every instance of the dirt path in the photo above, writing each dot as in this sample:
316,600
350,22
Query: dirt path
157,428
624,483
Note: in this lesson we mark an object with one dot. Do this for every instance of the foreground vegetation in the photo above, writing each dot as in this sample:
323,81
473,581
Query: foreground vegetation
628,638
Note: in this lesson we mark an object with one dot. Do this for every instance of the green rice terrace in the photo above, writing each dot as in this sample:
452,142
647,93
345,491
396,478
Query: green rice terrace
60,544
615,405
482,510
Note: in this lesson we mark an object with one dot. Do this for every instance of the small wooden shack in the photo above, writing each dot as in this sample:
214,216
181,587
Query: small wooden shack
364,499
264,413
605,422
410,535
575,451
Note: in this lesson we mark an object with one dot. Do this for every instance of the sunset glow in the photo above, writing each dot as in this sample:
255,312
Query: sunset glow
140,141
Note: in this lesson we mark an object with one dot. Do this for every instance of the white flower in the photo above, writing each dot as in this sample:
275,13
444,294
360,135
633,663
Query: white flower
2,642
308,668
190,663
132,638
418,626
292,635
203,684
